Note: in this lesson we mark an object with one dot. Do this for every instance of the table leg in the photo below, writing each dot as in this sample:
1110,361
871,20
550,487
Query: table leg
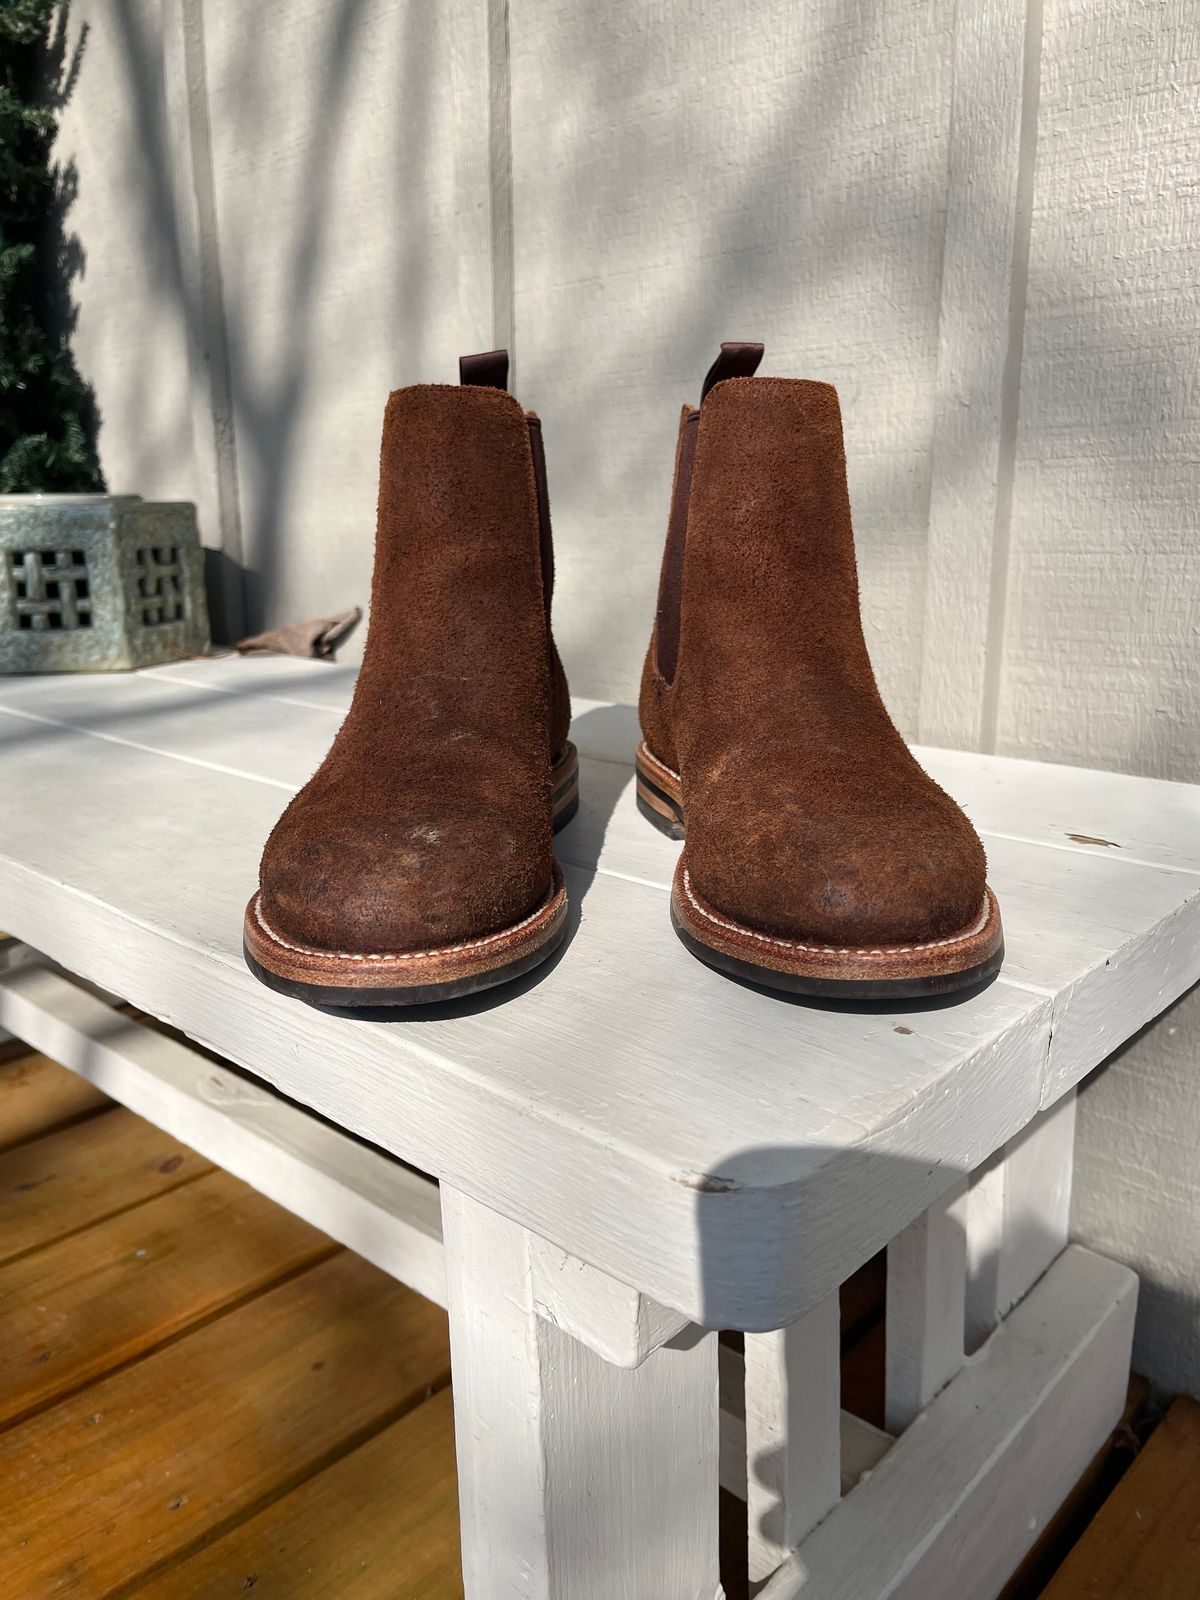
577,1479
926,1300
1018,1215
793,1433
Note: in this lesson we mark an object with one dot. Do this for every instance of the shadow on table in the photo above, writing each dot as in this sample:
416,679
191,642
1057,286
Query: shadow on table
897,1189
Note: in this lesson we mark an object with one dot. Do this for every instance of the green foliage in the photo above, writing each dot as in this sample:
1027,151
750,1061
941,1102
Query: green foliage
47,413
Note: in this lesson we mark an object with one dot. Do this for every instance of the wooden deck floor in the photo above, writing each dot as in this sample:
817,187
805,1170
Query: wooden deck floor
201,1396
1144,1543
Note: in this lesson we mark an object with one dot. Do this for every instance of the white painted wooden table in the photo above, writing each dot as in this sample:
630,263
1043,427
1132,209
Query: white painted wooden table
634,1151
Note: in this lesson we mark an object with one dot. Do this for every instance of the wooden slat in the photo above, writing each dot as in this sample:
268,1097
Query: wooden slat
81,1307
364,1200
288,680
145,1466
75,1177
862,1445
1017,1216
793,1433
577,1478
380,1523
926,1290
1071,808
1145,1542
37,1095
956,1502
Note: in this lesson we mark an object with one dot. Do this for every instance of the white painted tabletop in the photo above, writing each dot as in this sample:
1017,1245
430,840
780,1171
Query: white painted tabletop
732,1153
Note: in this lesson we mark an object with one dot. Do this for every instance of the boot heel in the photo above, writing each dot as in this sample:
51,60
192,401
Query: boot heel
659,796
564,777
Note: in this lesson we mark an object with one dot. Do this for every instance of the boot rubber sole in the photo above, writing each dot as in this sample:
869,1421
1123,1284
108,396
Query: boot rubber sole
418,977
886,972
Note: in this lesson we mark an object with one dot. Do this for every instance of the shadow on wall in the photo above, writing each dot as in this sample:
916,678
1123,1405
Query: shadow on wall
259,408
737,264
774,242
1140,1207
820,228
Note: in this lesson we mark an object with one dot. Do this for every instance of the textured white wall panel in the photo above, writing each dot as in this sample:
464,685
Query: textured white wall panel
1101,661
692,172
350,155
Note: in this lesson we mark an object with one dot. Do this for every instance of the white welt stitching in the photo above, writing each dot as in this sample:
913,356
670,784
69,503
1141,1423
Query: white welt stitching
648,755
839,949
403,955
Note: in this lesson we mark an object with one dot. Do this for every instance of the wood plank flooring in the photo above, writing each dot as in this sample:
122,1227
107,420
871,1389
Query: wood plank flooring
1144,1543
37,1096
200,1394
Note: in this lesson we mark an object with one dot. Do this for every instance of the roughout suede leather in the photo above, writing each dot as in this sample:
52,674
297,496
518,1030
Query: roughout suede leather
429,821
806,816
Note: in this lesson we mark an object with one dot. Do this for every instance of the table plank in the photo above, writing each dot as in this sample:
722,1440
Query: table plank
78,1176
82,1306
152,1460
382,1522
245,735
1068,912
1057,906
1079,809
1112,814
229,700
291,680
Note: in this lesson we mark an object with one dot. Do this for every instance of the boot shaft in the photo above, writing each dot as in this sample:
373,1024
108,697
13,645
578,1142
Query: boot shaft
758,595
770,577
463,575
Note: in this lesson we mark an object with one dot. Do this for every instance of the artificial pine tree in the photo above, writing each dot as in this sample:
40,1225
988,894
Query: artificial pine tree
46,409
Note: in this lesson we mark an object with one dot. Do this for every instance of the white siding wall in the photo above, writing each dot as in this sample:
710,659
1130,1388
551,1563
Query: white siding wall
686,173
978,218
1101,660
351,176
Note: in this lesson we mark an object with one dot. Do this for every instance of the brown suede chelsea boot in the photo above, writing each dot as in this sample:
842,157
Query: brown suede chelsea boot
417,864
820,858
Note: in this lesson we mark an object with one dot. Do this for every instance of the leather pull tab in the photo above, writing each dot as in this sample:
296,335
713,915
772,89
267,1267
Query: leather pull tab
490,369
737,360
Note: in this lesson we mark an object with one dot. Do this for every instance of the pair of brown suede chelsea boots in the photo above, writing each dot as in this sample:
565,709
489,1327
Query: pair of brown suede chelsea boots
418,863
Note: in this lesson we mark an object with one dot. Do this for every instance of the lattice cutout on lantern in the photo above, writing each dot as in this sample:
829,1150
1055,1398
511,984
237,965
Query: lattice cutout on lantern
160,585
52,589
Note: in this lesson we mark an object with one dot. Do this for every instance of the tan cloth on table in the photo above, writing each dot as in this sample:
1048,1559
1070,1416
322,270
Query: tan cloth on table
319,637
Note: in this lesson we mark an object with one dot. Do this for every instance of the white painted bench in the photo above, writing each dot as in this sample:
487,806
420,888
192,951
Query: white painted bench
634,1151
